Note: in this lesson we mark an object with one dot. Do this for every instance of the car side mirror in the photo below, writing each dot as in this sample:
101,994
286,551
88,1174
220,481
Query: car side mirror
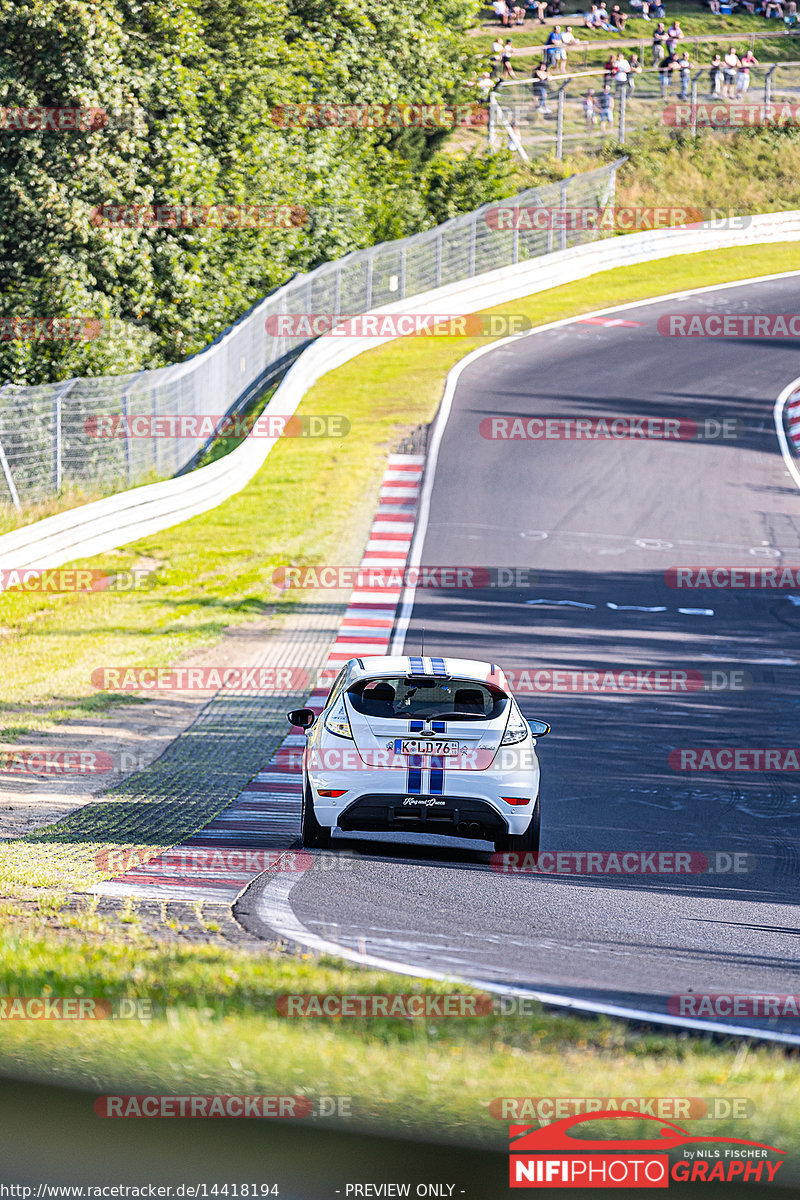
539,728
304,718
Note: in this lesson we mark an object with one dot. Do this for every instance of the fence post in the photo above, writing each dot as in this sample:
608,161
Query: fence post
368,296
694,107
623,95
768,83
9,478
58,469
561,97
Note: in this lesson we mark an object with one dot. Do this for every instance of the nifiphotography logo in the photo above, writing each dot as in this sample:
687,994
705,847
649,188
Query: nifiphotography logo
560,1156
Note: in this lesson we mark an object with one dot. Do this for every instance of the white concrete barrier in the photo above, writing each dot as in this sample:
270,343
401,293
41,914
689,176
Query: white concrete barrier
117,520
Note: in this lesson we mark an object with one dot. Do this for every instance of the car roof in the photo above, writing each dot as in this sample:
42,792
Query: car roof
389,665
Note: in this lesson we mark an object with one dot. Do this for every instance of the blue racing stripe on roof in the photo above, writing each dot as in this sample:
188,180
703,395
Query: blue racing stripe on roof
417,666
439,667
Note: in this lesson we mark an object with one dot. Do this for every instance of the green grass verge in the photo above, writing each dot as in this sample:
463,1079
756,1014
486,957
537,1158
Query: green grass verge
217,1030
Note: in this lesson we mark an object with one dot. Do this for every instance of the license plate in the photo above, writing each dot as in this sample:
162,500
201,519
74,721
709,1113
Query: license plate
426,746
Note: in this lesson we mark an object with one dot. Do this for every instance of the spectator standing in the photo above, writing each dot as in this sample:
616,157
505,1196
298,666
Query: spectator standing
554,48
609,67
659,43
590,109
666,67
685,68
622,70
715,75
508,50
636,69
747,61
497,57
674,35
541,77
606,107
730,65
485,87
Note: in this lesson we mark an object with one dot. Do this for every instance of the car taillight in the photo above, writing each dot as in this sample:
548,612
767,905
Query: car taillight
517,800
341,793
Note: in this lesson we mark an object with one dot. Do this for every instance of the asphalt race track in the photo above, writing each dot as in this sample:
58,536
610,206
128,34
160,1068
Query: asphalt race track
598,523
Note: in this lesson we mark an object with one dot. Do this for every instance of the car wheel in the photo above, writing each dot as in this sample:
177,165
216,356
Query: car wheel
312,834
529,840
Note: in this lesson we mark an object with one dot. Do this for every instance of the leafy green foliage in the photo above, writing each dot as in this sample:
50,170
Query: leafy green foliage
190,88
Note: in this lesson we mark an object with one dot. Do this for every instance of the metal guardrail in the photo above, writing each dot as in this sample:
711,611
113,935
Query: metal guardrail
558,125
48,434
117,520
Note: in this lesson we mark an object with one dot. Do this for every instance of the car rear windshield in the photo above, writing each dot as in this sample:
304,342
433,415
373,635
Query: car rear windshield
459,699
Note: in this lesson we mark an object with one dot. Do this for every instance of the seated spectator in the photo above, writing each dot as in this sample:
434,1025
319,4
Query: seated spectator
618,18
516,13
539,7
747,5
657,11
714,6
644,5
591,19
773,8
603,14
500,11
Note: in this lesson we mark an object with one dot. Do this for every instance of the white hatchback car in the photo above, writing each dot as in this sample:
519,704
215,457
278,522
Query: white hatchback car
421,745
